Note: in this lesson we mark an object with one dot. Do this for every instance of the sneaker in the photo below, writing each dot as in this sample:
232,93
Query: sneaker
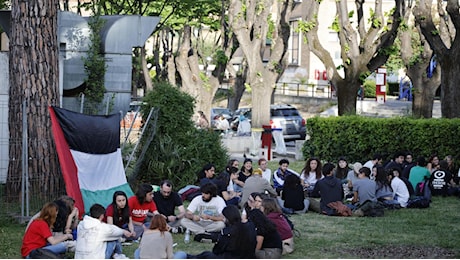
70,245
174,230
120,256
180,230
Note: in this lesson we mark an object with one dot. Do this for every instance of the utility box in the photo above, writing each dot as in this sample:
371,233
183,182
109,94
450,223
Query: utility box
267,140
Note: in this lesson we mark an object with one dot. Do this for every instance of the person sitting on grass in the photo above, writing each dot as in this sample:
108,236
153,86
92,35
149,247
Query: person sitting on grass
204,213
269,243
279,176
118,213
364,188
96,239
39,236
236,241
157,242
142,208
273,212
329,189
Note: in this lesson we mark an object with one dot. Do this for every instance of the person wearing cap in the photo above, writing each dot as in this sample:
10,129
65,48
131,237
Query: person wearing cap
352,175
256,183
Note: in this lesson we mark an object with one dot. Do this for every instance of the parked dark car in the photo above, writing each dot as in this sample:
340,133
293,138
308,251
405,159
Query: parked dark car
282,116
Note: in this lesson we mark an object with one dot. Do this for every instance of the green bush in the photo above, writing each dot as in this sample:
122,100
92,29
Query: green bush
358,138
369,88
178,150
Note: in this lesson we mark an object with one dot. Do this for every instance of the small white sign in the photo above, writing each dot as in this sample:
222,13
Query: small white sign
380,99
379,79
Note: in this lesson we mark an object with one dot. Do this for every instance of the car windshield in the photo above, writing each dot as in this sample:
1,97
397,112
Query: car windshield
285,112
221,111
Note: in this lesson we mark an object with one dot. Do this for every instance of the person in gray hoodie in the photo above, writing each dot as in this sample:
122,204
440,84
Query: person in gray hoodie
329,189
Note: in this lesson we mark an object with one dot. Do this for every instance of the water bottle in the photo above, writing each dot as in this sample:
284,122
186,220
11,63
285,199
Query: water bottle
187,236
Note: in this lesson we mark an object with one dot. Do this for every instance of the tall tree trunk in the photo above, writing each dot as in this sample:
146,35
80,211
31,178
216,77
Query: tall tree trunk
450,92
423,90
146,71
34,79
198,84
347,91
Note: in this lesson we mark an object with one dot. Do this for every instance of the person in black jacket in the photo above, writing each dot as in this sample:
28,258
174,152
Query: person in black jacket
237,240
329,189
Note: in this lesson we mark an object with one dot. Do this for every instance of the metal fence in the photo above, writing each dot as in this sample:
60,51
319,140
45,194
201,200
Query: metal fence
321,90
23,193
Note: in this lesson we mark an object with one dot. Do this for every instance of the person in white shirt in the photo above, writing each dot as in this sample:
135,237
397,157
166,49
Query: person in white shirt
204,213
266,172
400,191
96,239
377,159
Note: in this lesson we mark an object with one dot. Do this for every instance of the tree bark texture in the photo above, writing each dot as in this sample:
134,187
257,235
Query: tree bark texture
442,38
250,24
33,79
200,86
361,47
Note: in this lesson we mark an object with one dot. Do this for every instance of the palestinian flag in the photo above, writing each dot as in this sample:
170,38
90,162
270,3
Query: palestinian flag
89,153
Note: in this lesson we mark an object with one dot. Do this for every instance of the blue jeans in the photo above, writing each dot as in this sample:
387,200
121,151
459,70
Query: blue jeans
58,248
112,248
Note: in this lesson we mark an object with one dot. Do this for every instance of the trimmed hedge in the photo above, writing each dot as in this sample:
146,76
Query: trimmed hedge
358,138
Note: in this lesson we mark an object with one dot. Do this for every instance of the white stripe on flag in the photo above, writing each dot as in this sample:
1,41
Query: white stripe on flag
99,171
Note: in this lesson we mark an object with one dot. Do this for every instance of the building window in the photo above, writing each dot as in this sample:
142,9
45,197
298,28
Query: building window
294,44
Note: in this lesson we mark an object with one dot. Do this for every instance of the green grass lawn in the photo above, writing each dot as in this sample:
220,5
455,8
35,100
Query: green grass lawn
399,234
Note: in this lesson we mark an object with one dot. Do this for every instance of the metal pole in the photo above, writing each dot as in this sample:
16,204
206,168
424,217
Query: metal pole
25,165
82,102
107,107
138,140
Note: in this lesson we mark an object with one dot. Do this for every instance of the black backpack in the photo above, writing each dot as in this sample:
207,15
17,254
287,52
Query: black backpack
418,202
41,253
372,208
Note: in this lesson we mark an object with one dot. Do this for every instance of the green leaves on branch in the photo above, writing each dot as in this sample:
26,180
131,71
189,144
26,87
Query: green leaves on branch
94,63
305,26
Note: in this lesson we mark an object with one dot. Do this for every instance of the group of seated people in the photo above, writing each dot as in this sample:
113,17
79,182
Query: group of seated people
239,210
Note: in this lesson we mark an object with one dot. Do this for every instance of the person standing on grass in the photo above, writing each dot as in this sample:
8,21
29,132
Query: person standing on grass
39,235
142,208
166,201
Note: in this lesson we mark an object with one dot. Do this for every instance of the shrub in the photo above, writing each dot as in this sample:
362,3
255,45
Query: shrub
178,150
358,138
369,88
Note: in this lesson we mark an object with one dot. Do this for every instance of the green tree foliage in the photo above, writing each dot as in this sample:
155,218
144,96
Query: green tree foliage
94,64
369,88
358,138
178,150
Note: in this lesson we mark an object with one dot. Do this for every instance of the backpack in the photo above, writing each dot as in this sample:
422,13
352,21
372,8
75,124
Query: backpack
423,189
418,202
372,209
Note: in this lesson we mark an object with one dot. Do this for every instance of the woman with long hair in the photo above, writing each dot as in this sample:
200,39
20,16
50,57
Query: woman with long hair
269,244
157,242
142,207
244,174
237,240
273,212
118,212
311,173
39,235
